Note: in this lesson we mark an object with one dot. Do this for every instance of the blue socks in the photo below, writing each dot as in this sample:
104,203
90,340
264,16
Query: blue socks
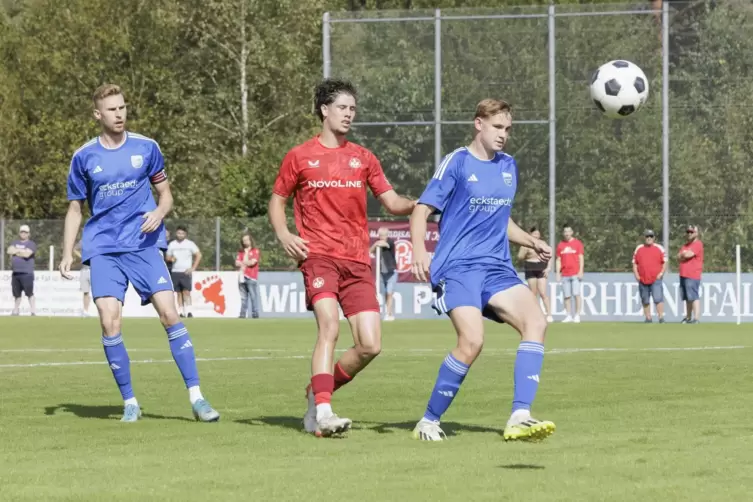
182,349
528,364
451,375
120,364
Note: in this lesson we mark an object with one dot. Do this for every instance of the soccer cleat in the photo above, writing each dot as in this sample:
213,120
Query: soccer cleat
131,413
529,429
309,419
567,319
576,319
428,430
661,320
332,425
203,411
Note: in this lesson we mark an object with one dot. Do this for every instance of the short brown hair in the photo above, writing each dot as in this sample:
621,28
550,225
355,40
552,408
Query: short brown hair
490,107
105,91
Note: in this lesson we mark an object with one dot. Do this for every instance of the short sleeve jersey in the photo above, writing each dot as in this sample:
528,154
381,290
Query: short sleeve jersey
692,268
116,183
568,252
475,198
329,186
649,259
23,265
183,252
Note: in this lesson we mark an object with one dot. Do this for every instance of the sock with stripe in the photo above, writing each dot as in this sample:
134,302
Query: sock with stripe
341,377
120,364
183,354
528,364
450,377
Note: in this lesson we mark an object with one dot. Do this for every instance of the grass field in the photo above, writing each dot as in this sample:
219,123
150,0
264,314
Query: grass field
643,413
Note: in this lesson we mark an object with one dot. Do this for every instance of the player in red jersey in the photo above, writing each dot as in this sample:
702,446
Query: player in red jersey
328,177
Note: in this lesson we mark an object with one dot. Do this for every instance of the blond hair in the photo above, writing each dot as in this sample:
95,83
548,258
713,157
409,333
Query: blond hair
490,107
105,91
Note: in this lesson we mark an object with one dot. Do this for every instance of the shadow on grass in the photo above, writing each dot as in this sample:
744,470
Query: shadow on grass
103,412
523,467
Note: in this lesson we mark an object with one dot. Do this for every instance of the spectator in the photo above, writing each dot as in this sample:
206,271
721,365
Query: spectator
248,277
691,267
570,261
649,266
388,270
22,252
84,280
536,273
185,257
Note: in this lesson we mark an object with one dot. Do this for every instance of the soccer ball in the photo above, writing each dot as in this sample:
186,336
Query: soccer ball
619,88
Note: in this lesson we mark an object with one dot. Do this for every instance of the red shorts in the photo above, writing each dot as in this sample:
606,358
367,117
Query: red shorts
351,282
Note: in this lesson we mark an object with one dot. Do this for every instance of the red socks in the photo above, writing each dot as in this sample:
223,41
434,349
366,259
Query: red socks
322,385
341,378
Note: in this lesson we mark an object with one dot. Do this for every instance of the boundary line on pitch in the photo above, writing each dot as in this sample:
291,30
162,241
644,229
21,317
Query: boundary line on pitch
410,351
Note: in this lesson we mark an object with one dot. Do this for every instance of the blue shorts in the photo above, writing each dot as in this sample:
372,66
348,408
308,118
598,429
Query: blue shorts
473,287
648,291
145,269
388,282
689,289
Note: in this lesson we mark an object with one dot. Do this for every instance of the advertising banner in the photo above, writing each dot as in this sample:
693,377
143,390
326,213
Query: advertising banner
399,231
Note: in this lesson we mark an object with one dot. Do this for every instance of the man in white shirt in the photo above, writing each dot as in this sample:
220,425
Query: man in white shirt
185,256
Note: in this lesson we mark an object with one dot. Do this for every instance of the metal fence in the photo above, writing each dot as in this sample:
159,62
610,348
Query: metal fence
680,160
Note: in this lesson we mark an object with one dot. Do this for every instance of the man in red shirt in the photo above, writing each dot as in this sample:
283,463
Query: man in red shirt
570,260
649,265
691,267
329,177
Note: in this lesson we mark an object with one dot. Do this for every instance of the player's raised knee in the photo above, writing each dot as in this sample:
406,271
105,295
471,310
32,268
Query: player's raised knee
369,349
534,329
169,318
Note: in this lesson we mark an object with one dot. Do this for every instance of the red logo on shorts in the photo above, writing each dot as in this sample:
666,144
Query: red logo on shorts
318,283
403,255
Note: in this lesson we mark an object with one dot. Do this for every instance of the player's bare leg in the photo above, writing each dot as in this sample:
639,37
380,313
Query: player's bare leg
541,284
568,312
367,344
518,307
469,327
110,315
320,420
182,349
187,303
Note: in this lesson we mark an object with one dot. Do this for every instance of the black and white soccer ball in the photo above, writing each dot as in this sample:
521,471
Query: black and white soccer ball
619,88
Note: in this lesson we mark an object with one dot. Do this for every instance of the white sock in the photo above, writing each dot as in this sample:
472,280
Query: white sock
519,416
194,394
131,400
323,410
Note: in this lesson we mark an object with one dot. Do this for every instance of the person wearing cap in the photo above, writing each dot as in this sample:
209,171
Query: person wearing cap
22,253
649,265
691,267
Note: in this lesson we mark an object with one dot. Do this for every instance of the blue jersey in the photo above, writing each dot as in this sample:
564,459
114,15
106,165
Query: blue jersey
475,199
116,183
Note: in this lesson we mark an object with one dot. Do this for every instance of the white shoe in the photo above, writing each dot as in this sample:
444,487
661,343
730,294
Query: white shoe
428,430
549,318
331,425
577,319
389,318
309,419
568,319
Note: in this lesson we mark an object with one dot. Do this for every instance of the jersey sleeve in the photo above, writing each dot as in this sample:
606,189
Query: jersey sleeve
77,186
33,247
287,178
442,185
663,253
194,248
581,249
157,172
635,254
376,179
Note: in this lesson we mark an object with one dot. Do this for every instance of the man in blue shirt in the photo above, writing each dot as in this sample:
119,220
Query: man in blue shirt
114,173
22,252
472,272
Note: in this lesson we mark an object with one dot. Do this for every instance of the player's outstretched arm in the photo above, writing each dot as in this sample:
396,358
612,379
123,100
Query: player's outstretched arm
72,224
395,204
517,235
420,265
293,244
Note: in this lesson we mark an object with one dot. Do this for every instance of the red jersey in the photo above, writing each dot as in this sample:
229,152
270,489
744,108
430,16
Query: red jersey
568,253
693,267
650,261
330,196
250,254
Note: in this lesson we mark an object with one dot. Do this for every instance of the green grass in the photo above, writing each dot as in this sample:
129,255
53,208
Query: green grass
632,424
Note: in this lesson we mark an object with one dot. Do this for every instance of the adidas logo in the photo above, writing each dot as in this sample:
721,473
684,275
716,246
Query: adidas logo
186,345
114,366
473,178
535,378
162,280
97,170
447,393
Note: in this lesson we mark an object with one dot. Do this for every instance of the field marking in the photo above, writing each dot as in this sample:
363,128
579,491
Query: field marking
410,351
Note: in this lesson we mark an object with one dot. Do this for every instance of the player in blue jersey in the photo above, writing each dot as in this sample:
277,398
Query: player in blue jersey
114,173
472,272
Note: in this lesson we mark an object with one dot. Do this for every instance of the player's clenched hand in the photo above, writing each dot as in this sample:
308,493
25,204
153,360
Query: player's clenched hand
295,246
65,267
152,221
543,250
420,265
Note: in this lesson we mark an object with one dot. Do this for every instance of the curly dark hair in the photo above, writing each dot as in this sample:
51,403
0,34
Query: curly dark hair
327,91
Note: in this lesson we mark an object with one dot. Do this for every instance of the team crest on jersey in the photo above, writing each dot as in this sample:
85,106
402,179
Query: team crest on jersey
507,177
355,163
137,161
318,283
